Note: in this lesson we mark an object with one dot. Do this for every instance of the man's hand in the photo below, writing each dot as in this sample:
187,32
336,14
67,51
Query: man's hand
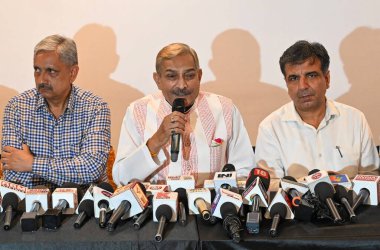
172,123
16,159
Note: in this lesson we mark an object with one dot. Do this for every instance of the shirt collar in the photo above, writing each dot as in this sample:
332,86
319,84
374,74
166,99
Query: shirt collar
70,105
291,113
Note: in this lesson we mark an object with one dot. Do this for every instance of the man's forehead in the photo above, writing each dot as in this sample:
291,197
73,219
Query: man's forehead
312,61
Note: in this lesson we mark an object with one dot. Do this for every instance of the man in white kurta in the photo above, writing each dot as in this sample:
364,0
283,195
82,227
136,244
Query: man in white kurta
312,132
212,135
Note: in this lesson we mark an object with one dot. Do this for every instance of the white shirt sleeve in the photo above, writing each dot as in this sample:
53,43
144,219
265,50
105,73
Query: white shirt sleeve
133,159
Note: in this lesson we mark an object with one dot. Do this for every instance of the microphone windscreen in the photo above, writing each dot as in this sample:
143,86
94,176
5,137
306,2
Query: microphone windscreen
228,168
324,190
182,196
164,210
258,172
290,178
106,186
87,206
227,208
179,105
313,171
278,208
213,194
10,199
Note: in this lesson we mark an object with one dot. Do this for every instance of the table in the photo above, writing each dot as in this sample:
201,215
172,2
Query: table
90,236
365,234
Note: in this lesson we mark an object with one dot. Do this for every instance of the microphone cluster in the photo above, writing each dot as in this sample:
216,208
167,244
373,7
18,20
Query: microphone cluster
238,205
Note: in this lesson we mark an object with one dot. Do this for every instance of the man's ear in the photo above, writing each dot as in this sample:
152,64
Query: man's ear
200,74
73,73
327,79
156,78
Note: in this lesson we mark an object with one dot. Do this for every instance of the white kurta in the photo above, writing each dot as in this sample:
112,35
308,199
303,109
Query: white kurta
343,143
212,117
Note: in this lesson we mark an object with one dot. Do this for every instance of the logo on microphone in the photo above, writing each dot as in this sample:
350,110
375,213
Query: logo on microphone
107,194
316,176
224,175
261,173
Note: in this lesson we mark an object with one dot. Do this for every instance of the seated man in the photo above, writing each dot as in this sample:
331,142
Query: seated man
312,132
56,132
211,128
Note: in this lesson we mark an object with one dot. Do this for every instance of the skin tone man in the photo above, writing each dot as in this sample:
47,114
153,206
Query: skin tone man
56,132
313,132
211,127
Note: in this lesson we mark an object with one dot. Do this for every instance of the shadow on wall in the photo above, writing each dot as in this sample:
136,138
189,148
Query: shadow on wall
5,94
97,61
237,69
360,54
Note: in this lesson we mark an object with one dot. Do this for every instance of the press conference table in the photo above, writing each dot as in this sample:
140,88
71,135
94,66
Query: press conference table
90,236
365,234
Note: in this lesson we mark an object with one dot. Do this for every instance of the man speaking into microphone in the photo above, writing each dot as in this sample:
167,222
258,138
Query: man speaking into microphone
180,130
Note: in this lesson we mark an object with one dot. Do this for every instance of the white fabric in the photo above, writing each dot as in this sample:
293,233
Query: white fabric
342,143
211,117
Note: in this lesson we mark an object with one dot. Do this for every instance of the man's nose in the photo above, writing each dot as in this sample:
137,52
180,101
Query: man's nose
182,83
303,83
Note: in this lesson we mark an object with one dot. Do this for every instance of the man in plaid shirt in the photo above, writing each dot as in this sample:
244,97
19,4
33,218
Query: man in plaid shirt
56,132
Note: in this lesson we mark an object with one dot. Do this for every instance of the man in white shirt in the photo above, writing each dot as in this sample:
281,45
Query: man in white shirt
312,132
211,128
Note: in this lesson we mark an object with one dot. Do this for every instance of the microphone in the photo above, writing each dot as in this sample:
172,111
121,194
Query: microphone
316,176
342,195
183,206
128,200
145,214
280,208
366,188
199,200
325,192
231,221
277,212
303,210
255,195
184,181
9,204
226,179
178,105
222,197
64,201
102,194
165,210
6,187
36,203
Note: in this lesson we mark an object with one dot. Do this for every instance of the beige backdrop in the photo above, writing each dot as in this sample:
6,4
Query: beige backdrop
238,43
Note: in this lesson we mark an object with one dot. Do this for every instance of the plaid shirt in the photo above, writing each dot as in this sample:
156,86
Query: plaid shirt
72,148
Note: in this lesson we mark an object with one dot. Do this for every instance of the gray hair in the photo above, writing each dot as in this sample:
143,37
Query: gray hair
175,49
65,47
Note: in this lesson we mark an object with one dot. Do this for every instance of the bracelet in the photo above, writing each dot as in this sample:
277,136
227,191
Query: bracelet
152,154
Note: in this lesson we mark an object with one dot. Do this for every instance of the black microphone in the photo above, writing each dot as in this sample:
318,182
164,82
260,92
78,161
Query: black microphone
178,105
163,213
325,193
68,193
360,198
183,206
123,208
86,210
342,195
103,204
231,221
277,212
145,214
256,187
9,204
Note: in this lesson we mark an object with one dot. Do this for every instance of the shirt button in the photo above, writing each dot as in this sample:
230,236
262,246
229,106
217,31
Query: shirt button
320,155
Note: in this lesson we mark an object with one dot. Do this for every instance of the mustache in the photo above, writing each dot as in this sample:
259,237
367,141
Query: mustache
305,92
44,86
181,92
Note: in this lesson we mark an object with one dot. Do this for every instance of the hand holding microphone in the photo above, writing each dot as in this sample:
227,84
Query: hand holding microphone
178,105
